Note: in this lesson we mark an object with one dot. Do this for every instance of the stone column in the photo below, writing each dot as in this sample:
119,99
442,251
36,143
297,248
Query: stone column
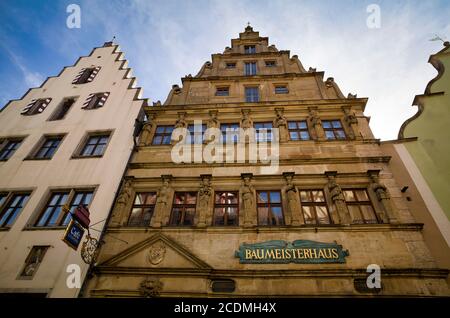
337,197
162,206
383,197
316,124
119,216
294,216
205,194
351,122
280,122
147,131
248,201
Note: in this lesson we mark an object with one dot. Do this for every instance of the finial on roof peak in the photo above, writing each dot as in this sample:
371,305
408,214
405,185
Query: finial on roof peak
248,28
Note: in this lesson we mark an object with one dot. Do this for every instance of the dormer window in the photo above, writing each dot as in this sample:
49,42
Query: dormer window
230,65
250,49
271,63
36,106
223,91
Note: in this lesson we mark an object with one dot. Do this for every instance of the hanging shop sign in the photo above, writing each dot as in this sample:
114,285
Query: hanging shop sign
299,251
81,214
74,234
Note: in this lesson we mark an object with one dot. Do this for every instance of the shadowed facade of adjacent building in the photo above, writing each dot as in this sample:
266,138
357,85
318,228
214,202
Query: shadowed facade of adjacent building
309,226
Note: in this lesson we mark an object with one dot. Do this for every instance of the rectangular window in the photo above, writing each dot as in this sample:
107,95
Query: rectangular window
271,63
10,146
86,75
230,132
95,101
270,211
281,89
36,106
95,145
197,133
359,206
251,94
11,208
250,49
226,207
3,196
333,129
32,262
55,215
183,209
314,207
230,65
62,109
298,130
250,68
223,91
162,135
48,147
263,131
143,207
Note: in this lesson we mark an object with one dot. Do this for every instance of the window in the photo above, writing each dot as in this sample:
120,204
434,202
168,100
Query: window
32,262
314,207
359,206
10,146
86,75
269,208
250,68
263,131
271,63
223,91
11,208
36,106
48,147
251,94
281,89
54,214
62,109
250,49
95,101
226,208
298,130
163,135
333,129
230,65
143,207
95,145
230,132
196,133
183,208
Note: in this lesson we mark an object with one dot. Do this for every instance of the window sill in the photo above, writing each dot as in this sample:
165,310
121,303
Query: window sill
4,229
37,159
86,157
44,228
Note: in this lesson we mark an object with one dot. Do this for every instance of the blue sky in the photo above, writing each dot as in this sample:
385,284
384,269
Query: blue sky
165,40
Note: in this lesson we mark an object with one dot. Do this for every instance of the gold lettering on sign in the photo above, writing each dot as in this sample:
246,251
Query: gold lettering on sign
248,254
335,253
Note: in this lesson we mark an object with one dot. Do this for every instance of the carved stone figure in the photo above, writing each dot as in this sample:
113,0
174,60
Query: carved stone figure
352,123
296,217
337,196
213,122
150,287
156,253
146,131
204,196
280,122
121,203
316,123
181,121
246,121
383,196
162,203
248,201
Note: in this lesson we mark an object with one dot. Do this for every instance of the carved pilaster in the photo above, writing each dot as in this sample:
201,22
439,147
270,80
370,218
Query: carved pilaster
280,122
147,130
316,124
213,123
119,217
338,199
293,216
351,122
163,196
248,194
204,204
383,197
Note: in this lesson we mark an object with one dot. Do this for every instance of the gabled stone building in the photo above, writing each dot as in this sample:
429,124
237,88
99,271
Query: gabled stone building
308,222
65,143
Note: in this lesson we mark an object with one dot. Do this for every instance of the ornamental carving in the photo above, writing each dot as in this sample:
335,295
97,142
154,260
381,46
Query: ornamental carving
150,287
156,253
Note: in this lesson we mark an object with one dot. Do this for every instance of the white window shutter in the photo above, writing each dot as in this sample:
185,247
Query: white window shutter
87,101
94,74
103,99
44,104
27,108
78,76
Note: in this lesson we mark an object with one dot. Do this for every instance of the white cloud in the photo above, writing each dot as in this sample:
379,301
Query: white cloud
31,79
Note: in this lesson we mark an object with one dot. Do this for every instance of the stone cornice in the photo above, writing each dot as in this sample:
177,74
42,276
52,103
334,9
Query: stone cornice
255,78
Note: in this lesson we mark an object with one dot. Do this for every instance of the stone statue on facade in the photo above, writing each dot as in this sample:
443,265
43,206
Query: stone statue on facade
162,202
383,197
316,123
121,203
213,123
352,123
181,121
337,197
150,287
280,122
248,201
293,202
246,121
204,198
146,132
